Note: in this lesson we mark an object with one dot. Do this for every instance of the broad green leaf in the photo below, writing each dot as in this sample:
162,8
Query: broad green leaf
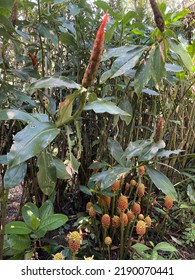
105,76
85,190
135,149
67,39
161,182
61,171
191,193
181,52
46,210
3,159
116,151
165,246
178,15
14,175
49,82
173,67
12,114
126,62
34,222
150,151
167,153
158,70
110,32
17,227
107,178
143,74
30,141
48,33
52,222
19,242
6,24
140,247
47,173
97,209
102,106
28,210
125,105
150,91
23,34
6,4
116,52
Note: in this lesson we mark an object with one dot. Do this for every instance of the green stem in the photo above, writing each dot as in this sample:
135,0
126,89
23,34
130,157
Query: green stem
5,193
130,241
122,238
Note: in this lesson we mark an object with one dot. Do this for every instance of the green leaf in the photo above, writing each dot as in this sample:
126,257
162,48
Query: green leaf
47,173
30,141
173,67
135,149
14,175
143,74
161,182
29,210
140,247
126,62
181,52
85,190
102,106
165,246
19,242
67,39
150,92
158,69
34,222
191,193
6,4
11,114
150,151
116,151
116,52
52,222
48,33
6,24
46,210
17,227
167,153
61,171
50,82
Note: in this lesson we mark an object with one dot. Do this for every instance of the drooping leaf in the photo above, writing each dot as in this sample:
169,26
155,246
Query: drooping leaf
30,141
17,227
12,114
61,171
116,151
85,190
14,175
67,39
143,74
48,33
140,247
150,91
173,67
150,151
167,153
161,182
116,52
135,149
181,52
49,82
47,173
102,106
191,193
158,70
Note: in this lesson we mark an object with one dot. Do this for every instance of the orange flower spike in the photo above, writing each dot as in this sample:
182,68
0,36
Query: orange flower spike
96,54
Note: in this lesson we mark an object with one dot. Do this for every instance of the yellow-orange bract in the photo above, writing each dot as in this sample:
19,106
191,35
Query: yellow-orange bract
122,203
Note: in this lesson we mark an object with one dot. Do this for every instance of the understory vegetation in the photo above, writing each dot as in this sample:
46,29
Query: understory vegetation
97,128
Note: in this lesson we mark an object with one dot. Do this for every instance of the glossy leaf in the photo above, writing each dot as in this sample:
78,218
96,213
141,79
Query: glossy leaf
52,222
17,227
29,210
46,175
14,175
46,210
19,242
181,52
150,151
161,182
116,151
102,106
61,171
158,70
67,39
50,82
30,141
143,75
48,33
12,114
165,246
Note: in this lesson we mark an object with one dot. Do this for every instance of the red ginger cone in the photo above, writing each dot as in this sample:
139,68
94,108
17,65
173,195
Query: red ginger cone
96,54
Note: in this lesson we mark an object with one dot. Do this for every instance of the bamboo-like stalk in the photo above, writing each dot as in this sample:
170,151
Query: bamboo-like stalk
5,193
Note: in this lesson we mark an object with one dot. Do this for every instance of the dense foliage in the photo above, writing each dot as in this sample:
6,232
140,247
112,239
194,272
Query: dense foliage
111,153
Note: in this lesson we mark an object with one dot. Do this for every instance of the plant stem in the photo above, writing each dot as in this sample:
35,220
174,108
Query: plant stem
5,193
122,238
